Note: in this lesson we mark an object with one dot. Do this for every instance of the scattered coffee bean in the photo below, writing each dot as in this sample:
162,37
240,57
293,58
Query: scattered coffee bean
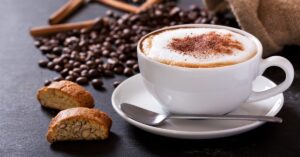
118,70
109,47
64,72
116,83
58,78
57,68
82,80
47,82
43,63
108,73
128,71
50,65
136,68
97,83
70,78
130,63
93,73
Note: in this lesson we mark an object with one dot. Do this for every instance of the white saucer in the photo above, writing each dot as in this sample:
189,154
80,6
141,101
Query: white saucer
133,91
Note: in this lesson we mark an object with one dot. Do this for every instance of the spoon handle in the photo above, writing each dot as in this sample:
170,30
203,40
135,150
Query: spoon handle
229,117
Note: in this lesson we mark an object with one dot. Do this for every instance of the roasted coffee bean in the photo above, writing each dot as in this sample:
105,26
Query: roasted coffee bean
45,49
76,64
70,78
58,78
174,11
109,13
58,68
113,54
116,83
51,56
57,61
47,82
43,63
56,50
112,61
107,66
64,72
98,61
74,74
130,63
84,73
93,73
50,65
77,70
82,80
68,66
97,83
128,71
83,66
37,43
136,67
192,15
122,57
108,73
118,70
105,53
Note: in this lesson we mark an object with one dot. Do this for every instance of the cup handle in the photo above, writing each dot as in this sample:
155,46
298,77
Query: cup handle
282,63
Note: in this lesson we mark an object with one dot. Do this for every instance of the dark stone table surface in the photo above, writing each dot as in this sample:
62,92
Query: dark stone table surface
23,123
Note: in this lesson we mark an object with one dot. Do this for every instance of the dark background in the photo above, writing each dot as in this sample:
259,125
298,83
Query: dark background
23,122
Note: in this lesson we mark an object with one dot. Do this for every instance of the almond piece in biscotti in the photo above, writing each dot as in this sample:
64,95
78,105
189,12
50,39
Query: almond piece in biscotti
64,94
79,123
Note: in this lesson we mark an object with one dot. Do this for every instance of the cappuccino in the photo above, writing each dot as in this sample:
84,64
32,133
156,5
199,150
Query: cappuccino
197,47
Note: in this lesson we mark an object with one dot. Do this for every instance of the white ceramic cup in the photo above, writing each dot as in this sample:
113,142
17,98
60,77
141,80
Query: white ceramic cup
216,90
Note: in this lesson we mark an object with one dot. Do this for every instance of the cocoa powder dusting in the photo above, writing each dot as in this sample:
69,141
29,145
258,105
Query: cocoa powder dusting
205,44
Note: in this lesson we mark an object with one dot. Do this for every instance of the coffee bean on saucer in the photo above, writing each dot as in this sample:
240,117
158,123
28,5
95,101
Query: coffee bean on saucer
82,80
47,82
116,83
97,83
43,63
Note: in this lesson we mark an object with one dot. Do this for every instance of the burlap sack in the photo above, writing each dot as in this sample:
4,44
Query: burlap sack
275,22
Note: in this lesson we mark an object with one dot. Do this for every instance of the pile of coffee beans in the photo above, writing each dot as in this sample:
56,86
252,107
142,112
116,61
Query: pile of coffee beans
109,48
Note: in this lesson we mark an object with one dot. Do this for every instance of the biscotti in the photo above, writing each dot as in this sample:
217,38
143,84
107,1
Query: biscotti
79,123
64,94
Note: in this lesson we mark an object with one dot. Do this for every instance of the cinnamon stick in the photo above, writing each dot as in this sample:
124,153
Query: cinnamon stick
65,11
148,4
120,5
47,30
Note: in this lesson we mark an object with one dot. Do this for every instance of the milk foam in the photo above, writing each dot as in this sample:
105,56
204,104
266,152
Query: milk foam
156,46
